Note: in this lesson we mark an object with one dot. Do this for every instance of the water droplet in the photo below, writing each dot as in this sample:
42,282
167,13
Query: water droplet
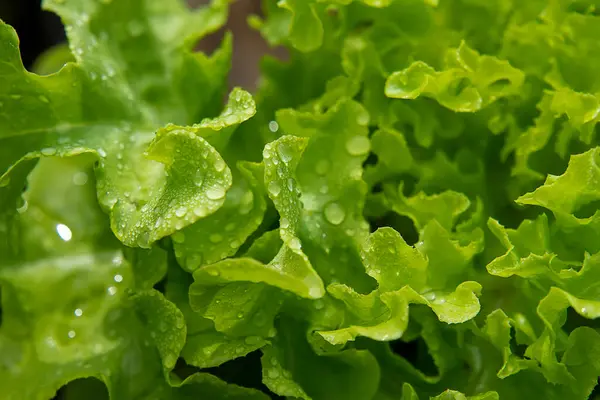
48,151
319,304
118,278
240,315
334,213
285,153
273,373
15,96
71,334
112,290
80,178
295,244
267,152
362,118
180,212
358,145
101,152
64,232
199,178
78,312
315,292
322,167
193,261
215,238
273,126
234,244
179,323
200,211
583,310
4,182
284,223
229,227
290,184
219,165
43,99
213,272
274,188
324,189
178,237
215,193
23,208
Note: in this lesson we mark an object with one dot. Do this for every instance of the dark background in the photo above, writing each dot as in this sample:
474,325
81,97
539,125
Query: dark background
38,30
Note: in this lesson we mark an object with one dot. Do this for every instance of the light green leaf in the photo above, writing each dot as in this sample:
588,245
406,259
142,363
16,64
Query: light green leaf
305,29
455,395
165,322
291,368
195,185
445,207
393,263
211,349
470,82
221,234
567,193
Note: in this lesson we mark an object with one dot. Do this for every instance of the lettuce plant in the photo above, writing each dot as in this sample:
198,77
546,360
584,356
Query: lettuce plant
407,208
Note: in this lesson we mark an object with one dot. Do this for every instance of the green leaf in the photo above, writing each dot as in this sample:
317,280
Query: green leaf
305,27
567,193
194,187
445,207
290,368
103,86
470,82
393,263
241,214
165,323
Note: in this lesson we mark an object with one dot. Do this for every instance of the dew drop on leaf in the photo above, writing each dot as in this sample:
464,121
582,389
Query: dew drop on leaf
213,272
48,151
215,193
358,145
334,213
284,153
273,126
178,237
199,178
295,243
274,188
322,167
215,238
193,261
273,373
64,232
80,178
199,211
219,165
